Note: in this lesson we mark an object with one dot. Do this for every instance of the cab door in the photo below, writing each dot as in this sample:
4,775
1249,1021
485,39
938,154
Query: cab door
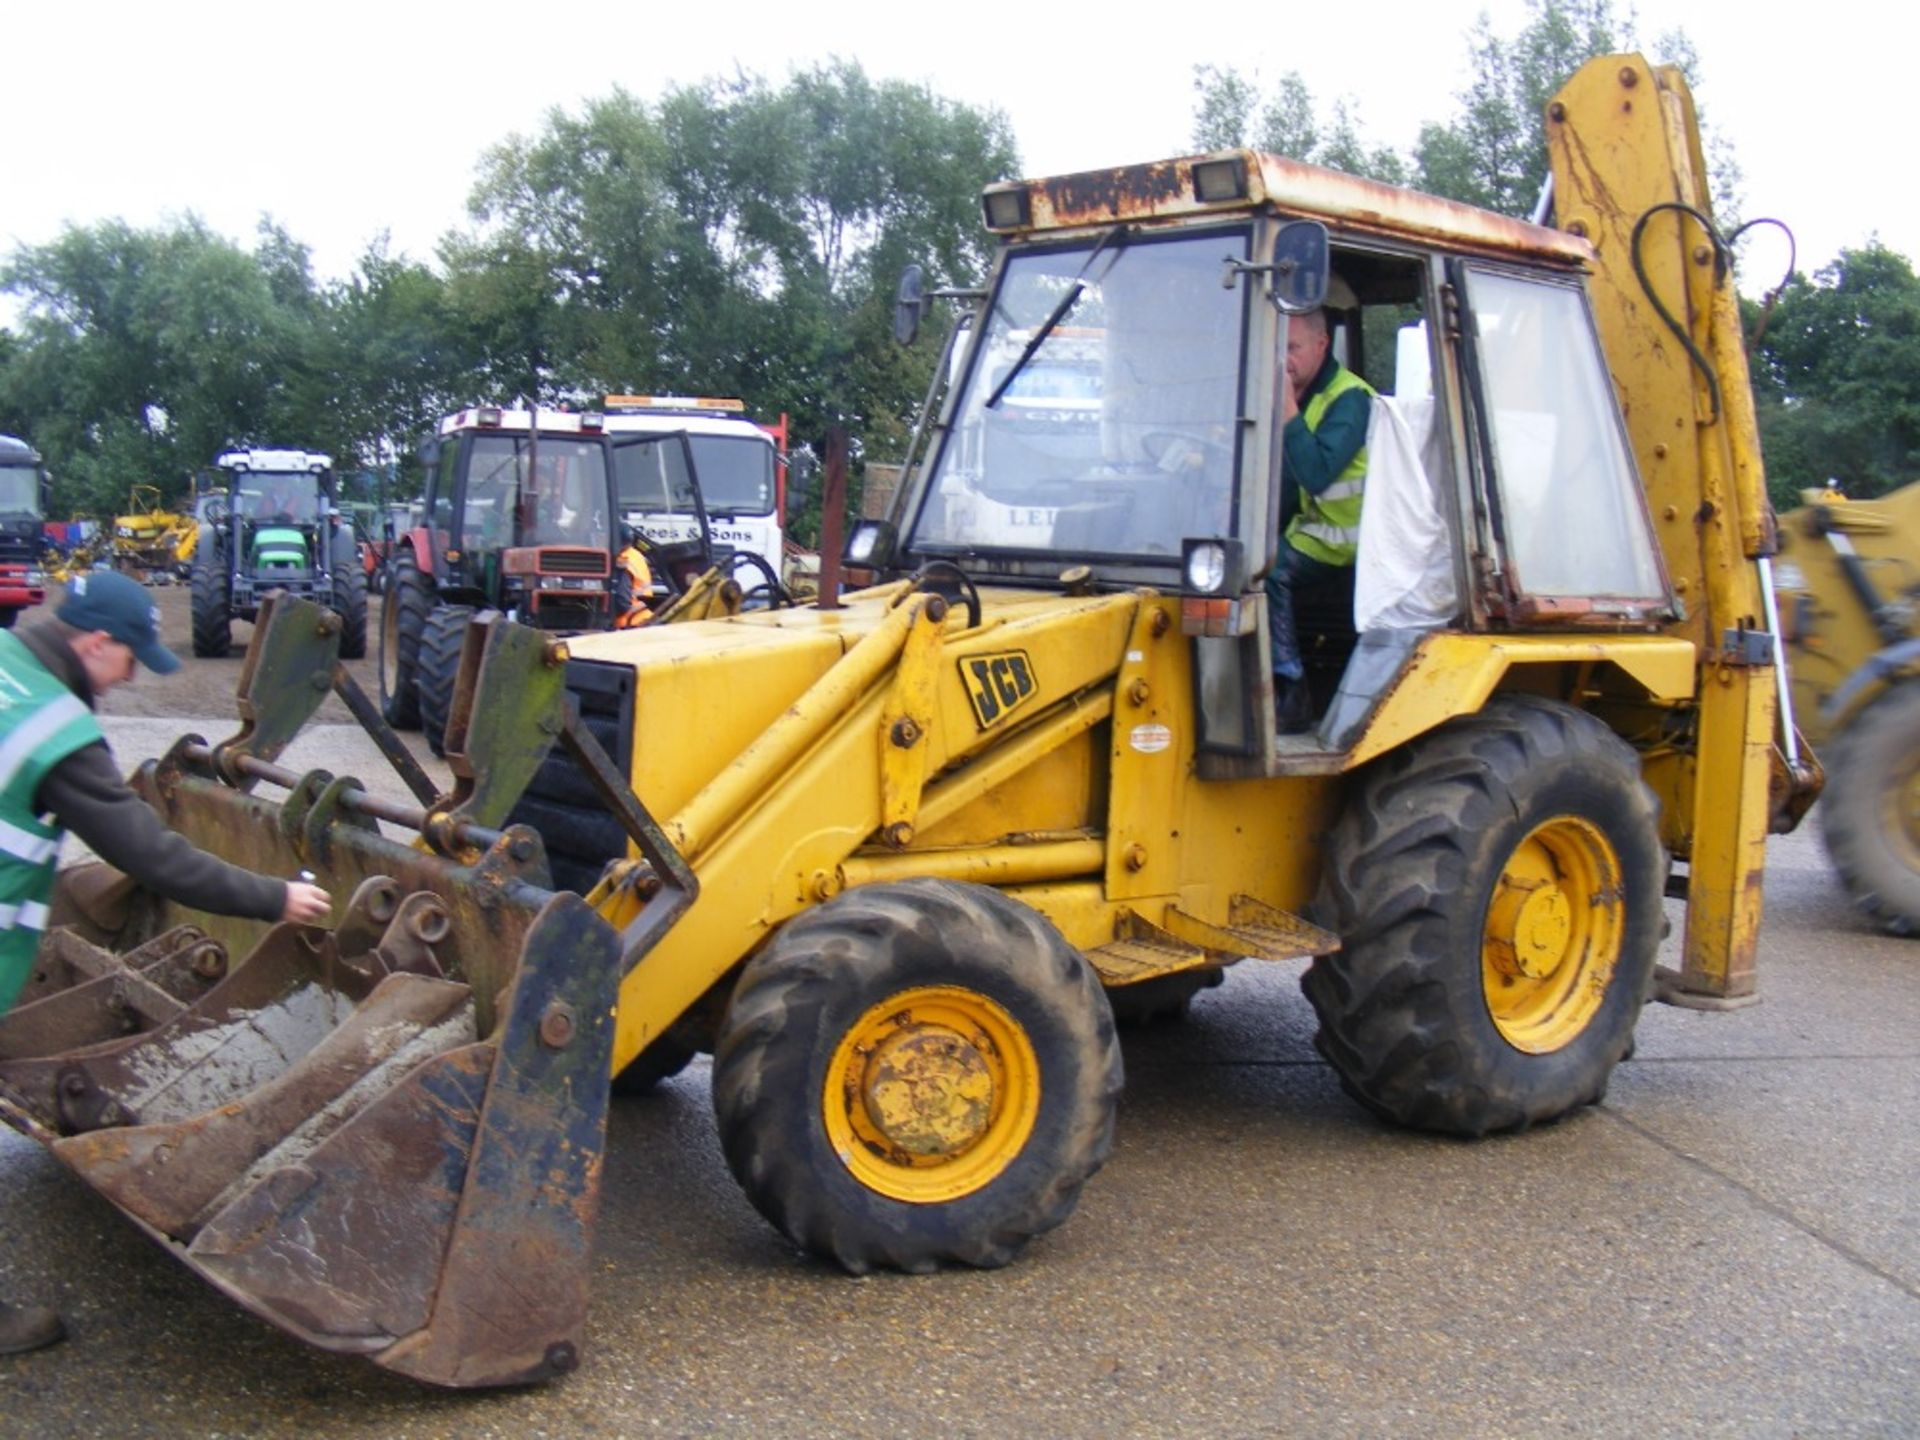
1565,539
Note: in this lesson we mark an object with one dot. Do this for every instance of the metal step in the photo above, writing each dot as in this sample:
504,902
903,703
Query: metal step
1145,951
1135,958
1257,930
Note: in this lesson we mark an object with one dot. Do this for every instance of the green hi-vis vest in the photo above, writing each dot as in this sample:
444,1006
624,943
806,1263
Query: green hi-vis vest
41,723
1327,525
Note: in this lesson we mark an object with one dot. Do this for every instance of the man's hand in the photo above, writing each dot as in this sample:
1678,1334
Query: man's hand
306,904
1289,403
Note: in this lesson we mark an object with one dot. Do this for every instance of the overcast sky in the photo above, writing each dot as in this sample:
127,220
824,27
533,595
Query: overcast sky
345,119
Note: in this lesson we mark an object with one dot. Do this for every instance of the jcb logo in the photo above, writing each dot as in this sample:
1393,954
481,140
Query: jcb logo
997,684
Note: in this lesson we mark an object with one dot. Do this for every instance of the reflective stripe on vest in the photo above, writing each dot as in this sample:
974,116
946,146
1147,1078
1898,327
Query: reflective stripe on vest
41,723
1327,525
28,915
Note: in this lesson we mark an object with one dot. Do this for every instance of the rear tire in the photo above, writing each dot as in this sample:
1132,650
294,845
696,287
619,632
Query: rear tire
916,1073
402,617
350,604
212,621
1497,886
440,642
1870,813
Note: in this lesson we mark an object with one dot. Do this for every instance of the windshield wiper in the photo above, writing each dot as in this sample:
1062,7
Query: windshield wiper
1115,237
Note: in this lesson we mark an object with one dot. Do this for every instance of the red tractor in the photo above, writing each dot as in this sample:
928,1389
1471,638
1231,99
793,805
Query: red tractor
519,516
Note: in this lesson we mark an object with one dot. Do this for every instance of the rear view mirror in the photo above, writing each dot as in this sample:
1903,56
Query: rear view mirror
803,480
871,545
1300,267
909,304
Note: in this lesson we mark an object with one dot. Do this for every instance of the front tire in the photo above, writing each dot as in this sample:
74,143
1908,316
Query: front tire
665,1058
1498,887
1870,813
403,616
440,643
915,1074
350,604
212,620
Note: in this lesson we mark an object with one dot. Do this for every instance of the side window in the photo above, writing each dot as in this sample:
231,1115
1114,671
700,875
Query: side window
1571,508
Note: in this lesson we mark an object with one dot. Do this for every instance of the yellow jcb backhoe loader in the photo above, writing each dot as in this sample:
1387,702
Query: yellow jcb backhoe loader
1849,578
918,844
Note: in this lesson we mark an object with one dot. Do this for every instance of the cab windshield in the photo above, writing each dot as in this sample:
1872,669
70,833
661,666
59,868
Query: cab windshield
552,491
736,476
1097,413
290,497
19,490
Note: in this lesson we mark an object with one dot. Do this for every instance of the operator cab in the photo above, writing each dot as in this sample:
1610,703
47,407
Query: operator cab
1113,421
519,515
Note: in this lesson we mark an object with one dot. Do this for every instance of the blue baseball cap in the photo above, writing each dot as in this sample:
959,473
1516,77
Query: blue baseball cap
106,600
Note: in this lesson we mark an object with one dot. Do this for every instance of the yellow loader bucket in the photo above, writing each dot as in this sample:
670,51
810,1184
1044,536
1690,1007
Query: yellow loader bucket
386,1137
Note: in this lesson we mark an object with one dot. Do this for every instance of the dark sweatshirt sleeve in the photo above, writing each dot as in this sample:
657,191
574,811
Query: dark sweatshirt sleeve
86,794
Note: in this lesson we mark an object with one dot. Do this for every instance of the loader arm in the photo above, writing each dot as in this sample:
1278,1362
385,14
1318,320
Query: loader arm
831,793
1629,176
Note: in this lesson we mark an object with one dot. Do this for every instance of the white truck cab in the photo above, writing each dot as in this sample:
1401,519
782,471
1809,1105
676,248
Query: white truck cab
736,460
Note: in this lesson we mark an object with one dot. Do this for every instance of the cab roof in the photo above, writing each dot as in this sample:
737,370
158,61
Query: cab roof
510,421
274,460
1250,182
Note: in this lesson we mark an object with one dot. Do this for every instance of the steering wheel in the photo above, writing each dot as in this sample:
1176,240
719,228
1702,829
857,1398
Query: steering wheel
1159,444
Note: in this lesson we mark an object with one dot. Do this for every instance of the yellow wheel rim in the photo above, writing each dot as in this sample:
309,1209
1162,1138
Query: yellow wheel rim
1554,925
931,1094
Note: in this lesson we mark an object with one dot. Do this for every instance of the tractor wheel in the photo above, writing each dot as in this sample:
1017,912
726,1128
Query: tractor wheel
1497,886
8,614
916,1073
440,642
212,622
1167,997
403,615
1870,814
350,604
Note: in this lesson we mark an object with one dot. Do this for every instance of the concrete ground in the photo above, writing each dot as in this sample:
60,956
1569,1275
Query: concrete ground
1726,1246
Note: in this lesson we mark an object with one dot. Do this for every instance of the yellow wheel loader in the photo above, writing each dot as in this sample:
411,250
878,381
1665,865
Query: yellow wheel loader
896,859
1849,596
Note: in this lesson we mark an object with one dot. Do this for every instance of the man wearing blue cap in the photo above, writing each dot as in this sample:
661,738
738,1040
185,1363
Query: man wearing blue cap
56,774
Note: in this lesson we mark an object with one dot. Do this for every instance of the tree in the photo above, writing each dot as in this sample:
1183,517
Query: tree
1224,119
143,352
1492,152
401,359
733,238
1837,377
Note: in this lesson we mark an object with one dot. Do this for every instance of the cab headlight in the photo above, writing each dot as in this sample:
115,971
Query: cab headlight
1211,567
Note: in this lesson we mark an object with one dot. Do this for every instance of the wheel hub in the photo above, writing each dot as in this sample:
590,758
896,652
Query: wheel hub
1554,927
1529,929
928,1089
931,1093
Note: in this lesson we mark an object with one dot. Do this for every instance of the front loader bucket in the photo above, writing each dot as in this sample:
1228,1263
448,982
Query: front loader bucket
387,1137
